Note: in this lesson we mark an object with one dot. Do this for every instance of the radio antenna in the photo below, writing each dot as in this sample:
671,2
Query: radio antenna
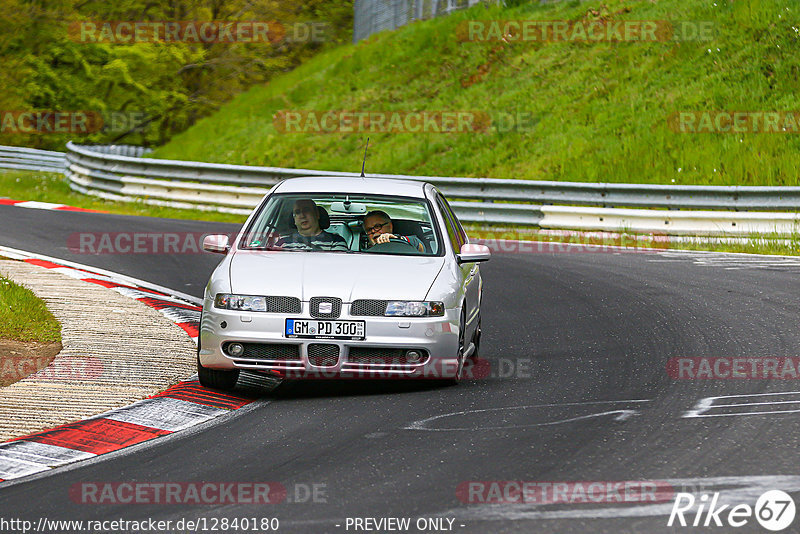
365,159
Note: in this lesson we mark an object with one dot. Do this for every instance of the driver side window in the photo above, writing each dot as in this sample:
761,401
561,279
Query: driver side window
452,234
460,233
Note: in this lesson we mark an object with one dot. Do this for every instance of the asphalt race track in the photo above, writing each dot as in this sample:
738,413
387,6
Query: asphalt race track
578,345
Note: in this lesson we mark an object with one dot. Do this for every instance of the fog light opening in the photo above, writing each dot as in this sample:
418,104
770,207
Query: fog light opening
413,356
235,349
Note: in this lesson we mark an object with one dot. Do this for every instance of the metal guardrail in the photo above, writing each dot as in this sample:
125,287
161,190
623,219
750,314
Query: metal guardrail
120,150
116,172
234,188
31,159
671,222
114,168
371,16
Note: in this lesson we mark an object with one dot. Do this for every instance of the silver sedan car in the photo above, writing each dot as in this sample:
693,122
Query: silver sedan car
341,277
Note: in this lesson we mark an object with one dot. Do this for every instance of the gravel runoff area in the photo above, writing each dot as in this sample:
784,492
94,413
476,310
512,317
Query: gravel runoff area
116,350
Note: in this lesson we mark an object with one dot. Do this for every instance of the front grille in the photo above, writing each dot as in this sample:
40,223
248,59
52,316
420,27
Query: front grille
283,305
368,307
323,354
268,351
336,307
383,356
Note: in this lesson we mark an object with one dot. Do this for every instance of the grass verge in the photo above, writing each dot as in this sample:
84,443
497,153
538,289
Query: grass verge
24,317
53,187
591,111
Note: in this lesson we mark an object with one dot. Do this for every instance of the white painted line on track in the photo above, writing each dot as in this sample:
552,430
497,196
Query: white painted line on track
620,415
139,447
42,452
16,468
17,254
733,490
38,205
707,404
21,458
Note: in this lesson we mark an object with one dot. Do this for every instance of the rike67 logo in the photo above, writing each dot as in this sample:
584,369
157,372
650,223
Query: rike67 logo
774,511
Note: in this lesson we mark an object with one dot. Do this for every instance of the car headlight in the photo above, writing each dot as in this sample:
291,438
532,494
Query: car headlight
403,308
251,303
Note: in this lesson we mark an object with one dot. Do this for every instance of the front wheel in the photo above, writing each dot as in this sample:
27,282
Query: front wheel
215,378
460,370
476,340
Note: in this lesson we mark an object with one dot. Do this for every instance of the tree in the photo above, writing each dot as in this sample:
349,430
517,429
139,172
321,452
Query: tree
145,91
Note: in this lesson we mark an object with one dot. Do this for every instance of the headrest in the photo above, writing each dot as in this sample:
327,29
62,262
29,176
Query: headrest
324,220
407,227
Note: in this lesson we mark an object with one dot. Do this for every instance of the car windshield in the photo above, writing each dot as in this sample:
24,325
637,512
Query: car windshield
347,223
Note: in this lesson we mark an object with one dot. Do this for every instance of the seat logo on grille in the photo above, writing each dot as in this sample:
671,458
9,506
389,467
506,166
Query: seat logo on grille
325,307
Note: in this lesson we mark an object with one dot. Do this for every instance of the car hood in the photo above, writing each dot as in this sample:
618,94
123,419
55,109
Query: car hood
320,274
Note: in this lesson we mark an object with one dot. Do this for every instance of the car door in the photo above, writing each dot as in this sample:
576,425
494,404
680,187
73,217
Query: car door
470,276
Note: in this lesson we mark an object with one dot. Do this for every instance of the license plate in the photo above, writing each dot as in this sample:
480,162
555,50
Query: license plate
322,329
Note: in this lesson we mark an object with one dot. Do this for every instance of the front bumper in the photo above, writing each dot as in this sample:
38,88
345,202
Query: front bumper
436,336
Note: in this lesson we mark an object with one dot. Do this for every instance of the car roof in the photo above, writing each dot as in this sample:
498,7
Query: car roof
353,184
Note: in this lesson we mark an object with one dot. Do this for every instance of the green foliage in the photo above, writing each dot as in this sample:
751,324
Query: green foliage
24,317
599,110
146,91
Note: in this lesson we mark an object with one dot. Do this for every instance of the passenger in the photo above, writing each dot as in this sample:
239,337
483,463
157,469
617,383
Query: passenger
378,227
309,234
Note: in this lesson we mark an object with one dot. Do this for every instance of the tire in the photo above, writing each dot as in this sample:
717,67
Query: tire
456,379
476,340
215,378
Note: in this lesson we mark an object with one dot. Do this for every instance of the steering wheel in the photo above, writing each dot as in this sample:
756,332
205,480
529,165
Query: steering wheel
395,244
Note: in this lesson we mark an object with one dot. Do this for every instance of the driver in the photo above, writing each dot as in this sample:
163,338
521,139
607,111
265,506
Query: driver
309,235
378,227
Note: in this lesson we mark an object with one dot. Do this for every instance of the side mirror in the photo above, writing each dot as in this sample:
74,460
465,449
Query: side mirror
217,243
472,252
